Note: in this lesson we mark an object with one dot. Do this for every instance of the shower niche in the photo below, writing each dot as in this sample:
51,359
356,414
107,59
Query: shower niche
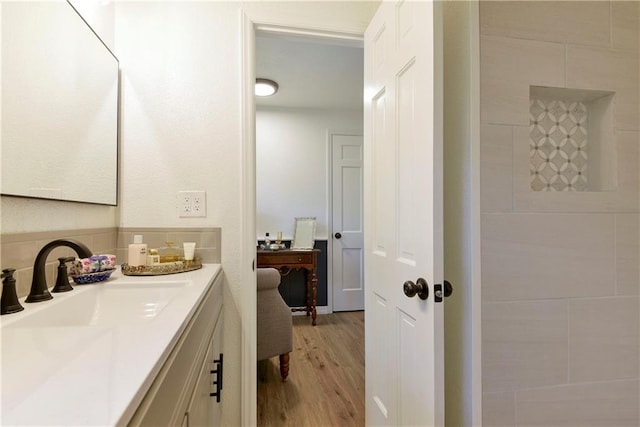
571,140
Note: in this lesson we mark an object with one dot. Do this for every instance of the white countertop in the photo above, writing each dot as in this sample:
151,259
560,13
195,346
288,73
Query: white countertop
90,375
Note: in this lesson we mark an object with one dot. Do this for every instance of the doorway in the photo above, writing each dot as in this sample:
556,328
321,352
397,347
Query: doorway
471,304
318,106
316,115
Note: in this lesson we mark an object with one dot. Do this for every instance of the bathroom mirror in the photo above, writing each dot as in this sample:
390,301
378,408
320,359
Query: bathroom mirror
59,123
304,233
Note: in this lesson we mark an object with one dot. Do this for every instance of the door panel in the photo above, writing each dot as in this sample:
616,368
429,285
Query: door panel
347,222
409,394
352,270
352,196
380,317
403,210
382,186
407,172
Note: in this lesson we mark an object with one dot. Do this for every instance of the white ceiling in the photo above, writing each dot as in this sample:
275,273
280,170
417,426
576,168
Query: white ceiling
312,73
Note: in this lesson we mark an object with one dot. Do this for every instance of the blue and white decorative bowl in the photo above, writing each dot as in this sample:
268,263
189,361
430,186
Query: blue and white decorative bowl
87,278
93,264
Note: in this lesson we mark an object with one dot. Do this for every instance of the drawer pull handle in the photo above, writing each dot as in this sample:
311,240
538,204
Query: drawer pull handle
219,376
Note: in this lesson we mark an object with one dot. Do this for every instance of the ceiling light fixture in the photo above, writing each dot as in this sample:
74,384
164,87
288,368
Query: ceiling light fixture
266,87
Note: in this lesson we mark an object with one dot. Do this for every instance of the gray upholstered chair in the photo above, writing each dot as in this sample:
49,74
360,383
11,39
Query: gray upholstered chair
275,330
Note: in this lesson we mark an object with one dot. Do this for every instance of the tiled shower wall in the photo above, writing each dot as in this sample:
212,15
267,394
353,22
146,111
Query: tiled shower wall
560,269
19,250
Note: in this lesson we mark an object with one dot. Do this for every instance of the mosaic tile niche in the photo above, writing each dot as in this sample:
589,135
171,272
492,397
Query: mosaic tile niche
558,145
568,132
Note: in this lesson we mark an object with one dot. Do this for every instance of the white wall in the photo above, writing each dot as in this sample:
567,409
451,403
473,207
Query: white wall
181,130
340,16
32,215
292,166
463,390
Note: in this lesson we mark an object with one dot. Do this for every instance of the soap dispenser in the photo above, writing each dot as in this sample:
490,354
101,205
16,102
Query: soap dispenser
137,255
9,302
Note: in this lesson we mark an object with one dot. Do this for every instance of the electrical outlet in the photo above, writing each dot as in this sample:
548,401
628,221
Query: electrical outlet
199,204
192,204
185,203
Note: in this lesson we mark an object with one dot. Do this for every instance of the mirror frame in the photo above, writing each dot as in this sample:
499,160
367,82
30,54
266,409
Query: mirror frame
304,233
116,184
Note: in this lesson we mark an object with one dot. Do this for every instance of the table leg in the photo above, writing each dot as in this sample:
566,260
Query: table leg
307,279
314,295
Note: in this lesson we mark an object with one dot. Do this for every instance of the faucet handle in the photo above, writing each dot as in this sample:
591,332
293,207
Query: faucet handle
8,273
62,281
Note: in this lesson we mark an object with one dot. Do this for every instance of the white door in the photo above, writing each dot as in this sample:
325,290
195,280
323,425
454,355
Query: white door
347,222
403,215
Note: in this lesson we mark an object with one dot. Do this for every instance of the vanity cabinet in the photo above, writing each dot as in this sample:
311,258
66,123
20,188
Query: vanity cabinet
184,391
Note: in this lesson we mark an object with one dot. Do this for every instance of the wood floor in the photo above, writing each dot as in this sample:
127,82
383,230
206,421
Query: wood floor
326,380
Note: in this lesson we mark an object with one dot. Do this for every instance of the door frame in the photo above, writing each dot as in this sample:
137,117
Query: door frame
248,27
331,231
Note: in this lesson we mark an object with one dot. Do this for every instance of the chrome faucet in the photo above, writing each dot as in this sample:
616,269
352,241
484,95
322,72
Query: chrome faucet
39,291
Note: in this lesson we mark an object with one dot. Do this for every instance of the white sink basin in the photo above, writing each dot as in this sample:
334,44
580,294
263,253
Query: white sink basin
108,304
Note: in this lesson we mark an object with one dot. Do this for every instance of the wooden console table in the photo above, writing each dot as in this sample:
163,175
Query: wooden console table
286,260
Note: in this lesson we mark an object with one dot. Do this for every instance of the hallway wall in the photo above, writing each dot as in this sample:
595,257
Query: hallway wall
292,165
560,269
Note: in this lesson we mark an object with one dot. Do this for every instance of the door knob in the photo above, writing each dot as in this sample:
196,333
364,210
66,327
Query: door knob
338,235
448,289
420,288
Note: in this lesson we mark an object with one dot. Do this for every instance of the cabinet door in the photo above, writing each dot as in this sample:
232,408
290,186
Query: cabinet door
204,410
215,408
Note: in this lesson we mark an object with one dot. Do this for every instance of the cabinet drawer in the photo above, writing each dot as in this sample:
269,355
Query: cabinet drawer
265,260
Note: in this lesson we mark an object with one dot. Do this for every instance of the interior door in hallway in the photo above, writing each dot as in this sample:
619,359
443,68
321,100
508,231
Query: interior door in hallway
347,222
403,216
